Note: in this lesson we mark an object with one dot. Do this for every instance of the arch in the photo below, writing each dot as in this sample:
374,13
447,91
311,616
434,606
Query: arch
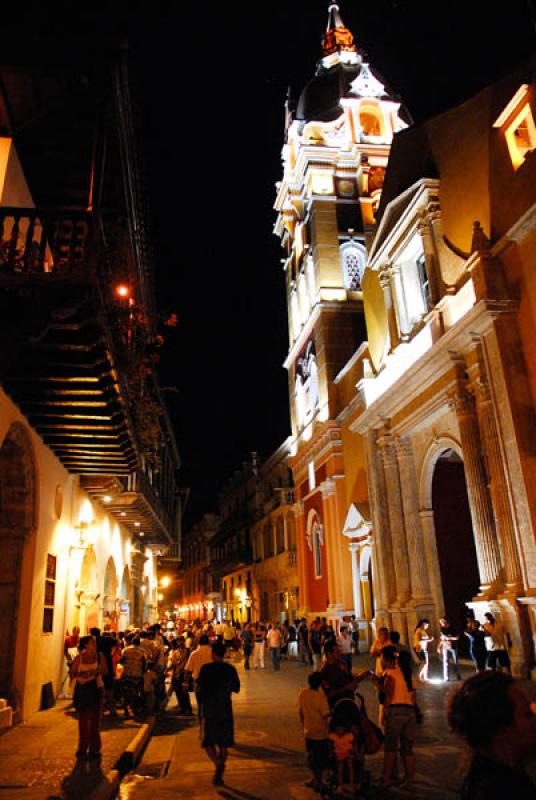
353,260
435,450
18,522
110,594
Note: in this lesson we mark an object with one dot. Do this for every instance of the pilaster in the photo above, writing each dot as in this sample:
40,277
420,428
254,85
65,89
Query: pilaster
385,587
504,519
396,519
486,545
420,584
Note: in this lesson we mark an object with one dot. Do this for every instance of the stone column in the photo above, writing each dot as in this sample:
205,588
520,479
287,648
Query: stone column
396,520
385,283
385,577
420,583
487,548
504,519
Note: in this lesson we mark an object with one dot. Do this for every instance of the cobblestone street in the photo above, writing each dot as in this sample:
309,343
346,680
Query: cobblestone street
268,761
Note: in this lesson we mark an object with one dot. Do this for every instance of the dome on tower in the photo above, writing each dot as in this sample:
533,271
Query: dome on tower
340,73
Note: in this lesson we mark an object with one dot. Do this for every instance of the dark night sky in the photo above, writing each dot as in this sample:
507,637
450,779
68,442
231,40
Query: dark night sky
213,80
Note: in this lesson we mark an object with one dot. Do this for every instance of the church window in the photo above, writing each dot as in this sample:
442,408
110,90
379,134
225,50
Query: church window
353,265
424,280
517,121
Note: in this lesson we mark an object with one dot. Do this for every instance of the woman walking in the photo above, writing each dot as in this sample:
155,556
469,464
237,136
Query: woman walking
421,640
399,716
87,670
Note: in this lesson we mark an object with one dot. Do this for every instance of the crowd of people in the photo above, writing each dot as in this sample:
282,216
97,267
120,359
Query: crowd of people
137,671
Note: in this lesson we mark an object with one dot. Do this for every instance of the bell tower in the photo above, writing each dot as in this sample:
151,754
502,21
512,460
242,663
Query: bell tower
337,142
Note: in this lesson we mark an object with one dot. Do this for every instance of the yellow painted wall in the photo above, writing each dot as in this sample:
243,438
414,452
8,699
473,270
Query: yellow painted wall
38,655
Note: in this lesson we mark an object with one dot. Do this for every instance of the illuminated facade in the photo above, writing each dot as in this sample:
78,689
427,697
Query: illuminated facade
446,405
411,441
88,461
336,149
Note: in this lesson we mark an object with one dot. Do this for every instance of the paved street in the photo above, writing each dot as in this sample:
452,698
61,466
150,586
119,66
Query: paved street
268,760
38,756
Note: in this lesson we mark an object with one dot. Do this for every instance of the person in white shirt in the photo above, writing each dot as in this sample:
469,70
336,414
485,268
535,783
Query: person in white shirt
199,657
344,641
273,640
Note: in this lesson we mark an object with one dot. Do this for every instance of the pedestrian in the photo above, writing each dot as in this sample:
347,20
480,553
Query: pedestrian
314,713
304,652
477,644
248,643
344,749
216,683
258,650
353,628
177,661
228,637
134,665
345,644
382,640
284,640
394,638
292,641
496,642
447,648
87,670
421,640
315,643
201,656
337,682
273,640
399,715
494,716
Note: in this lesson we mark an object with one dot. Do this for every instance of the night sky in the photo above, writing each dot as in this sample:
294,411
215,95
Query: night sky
211,83
214,80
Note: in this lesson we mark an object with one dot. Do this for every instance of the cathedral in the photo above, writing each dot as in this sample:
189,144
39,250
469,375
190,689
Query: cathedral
411,302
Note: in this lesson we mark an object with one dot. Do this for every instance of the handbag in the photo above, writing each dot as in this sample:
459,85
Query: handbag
86,695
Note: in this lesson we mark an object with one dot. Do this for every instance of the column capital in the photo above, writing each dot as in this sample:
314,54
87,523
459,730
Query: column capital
462,401
327,487
403,447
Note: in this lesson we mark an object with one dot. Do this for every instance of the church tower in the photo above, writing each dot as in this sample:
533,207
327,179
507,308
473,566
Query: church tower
337,142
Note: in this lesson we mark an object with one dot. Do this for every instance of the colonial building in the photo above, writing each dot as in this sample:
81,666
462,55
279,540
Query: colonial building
194,597
275,589
447,404
88,459
336,148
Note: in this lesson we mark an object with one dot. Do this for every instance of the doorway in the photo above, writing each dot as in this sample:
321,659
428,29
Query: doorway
460,579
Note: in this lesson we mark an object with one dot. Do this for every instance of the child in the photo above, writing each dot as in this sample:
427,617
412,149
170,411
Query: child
314,713
343,743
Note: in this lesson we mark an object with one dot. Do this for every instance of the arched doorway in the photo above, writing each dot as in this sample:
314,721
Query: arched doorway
88,589
17,523
110,595
458,565
126,601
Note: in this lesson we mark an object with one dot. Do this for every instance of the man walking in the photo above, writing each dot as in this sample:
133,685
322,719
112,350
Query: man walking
248,643
216,683
273,640
197,660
